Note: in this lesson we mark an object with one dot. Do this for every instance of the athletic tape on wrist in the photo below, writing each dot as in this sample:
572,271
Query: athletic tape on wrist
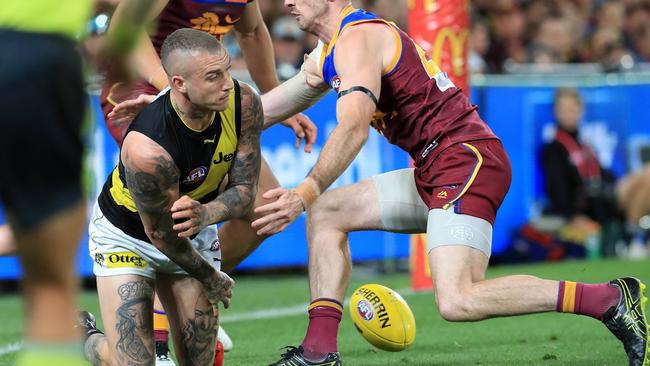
307,194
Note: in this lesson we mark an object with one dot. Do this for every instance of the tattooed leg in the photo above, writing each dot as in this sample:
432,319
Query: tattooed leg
127,305
193,324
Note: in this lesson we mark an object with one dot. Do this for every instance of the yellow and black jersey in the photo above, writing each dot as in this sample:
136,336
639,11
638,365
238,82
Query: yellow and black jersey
202,157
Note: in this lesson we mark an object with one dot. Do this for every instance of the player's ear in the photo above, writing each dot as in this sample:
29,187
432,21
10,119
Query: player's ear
178,83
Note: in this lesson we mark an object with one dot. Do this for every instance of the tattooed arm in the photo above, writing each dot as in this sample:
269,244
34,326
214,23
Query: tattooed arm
152,179
238,197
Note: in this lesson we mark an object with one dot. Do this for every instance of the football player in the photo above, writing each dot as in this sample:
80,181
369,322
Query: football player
217,18
462,173
153,226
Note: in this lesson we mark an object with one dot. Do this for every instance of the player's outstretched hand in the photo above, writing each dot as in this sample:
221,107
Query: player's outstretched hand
191,215
218,288
304,128
277,215
125,112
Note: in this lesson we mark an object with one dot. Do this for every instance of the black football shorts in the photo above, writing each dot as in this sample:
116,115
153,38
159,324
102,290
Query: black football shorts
42,102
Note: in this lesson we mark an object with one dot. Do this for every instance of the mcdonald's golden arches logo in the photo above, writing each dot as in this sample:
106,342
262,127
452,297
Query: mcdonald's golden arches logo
457,41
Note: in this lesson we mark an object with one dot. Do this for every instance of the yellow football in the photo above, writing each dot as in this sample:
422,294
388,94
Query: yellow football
382,317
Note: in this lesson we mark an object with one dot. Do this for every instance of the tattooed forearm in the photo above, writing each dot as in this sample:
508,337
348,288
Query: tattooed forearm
153,184
93,349
238,198
199,336
134,323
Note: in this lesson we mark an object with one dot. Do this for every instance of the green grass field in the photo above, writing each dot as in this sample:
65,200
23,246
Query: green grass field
268,313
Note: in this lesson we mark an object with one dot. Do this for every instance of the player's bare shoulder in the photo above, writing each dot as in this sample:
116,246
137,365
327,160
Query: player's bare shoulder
367,40
140,153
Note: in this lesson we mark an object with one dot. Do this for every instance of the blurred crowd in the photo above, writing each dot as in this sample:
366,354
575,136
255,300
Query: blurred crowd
614,34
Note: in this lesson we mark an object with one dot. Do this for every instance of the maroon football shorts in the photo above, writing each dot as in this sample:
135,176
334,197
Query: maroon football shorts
473,177
118,93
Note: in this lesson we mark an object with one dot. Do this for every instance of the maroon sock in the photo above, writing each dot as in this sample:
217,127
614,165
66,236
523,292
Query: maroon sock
161,336
587,299
322,332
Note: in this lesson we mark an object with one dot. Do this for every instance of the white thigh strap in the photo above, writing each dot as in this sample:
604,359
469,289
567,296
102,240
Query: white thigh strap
445,227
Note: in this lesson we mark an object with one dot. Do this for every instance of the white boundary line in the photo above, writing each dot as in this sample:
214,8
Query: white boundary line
285,311
271,313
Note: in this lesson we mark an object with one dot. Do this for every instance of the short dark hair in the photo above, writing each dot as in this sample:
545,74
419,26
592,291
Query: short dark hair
188,39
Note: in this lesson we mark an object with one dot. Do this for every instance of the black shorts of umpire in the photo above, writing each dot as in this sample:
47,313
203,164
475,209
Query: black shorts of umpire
42,110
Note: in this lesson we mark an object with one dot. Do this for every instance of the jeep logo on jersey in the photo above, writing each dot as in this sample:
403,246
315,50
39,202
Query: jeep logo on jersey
222,157
336,83
365,310
125,260
196,175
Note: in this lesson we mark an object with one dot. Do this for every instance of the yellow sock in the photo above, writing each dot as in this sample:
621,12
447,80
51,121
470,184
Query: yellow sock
160,326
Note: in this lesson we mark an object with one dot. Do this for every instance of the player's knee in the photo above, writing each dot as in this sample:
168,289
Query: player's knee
322,213
453,306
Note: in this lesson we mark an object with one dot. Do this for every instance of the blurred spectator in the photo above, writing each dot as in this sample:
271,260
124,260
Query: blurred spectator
574,177
642,42
554,34
607,48
479,43
578,188
288,43
611,14
507,44
638,18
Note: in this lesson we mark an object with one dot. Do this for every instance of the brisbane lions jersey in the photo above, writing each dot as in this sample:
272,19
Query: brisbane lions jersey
216,17
419,109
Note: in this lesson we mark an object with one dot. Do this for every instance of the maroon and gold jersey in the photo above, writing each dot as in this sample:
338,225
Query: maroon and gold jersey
216,17
419,108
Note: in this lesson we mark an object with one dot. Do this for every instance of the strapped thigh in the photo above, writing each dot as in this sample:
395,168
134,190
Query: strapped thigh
402,209
446,227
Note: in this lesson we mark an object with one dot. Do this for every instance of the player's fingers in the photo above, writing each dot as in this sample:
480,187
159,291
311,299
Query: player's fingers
183,203
260,224
188,233
273,193
310,136
185,225
274,227
271,224
184,214
269,207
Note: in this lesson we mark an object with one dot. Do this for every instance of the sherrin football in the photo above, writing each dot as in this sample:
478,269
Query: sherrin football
382,317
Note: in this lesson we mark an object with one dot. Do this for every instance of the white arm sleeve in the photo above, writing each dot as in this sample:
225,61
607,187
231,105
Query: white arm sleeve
296,94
